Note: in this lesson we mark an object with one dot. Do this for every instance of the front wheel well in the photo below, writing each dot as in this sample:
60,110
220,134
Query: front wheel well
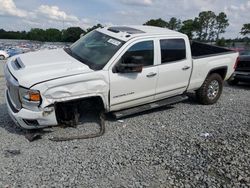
222,71
69,112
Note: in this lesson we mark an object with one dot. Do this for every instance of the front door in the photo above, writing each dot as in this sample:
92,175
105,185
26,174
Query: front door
132,89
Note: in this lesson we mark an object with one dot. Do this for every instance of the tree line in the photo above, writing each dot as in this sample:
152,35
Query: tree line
70,34
207,26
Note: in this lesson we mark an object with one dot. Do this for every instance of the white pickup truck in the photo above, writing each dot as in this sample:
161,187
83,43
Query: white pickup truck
123,70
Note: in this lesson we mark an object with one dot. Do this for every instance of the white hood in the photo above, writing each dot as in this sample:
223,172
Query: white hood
40,66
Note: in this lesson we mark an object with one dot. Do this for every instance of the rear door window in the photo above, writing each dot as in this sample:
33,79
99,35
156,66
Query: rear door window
172,50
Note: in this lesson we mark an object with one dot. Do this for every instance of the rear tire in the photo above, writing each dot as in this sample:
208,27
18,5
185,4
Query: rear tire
211,89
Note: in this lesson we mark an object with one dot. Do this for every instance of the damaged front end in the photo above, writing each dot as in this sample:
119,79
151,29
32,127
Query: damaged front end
24,105
57,101
70,113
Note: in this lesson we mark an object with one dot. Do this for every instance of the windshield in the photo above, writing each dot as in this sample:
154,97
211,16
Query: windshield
95,49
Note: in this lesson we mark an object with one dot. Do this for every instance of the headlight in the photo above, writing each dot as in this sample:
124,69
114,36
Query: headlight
29,98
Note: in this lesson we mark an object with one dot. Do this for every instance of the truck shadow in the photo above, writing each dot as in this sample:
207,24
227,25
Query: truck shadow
110,116
193,100
241,85
7,123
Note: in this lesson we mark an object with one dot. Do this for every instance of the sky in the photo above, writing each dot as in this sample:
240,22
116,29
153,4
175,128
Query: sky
26,14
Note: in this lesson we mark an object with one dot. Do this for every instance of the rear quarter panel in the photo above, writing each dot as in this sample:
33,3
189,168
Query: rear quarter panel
202,66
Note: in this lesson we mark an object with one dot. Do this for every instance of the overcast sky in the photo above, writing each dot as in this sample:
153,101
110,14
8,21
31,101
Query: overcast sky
26,14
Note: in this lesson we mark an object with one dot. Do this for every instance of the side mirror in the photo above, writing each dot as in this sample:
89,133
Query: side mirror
130,65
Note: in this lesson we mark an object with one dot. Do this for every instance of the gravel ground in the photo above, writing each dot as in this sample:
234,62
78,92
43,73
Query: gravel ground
187,145
1,67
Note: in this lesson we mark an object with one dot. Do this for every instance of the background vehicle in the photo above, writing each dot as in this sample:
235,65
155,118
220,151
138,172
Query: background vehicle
242,71
3,55
123,70
14,51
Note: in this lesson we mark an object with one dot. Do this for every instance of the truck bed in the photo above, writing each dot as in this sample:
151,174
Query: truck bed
201,50
208,57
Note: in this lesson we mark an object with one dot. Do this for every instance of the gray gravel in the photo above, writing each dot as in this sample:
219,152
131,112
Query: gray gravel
188,145
2,68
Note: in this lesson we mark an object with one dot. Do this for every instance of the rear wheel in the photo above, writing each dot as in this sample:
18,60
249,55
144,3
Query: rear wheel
211,89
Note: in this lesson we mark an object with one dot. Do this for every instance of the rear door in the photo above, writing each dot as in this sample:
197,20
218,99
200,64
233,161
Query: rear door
174,67
132,89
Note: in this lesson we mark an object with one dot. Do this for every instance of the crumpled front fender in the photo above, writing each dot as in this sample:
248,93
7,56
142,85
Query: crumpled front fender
75,87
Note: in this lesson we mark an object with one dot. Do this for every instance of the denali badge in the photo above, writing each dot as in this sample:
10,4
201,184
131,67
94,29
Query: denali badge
123,95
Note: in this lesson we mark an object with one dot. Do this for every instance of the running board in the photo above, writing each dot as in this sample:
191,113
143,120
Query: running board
150,106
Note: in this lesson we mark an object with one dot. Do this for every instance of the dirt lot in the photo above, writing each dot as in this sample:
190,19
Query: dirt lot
186,145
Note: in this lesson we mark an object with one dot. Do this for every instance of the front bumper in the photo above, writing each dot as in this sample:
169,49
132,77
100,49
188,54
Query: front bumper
28,119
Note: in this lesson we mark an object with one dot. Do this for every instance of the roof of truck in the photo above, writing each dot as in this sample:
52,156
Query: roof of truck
125,33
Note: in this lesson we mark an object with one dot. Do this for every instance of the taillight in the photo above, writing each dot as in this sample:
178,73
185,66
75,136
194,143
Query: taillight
236,62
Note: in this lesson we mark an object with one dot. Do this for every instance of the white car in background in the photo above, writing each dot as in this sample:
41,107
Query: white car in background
3,55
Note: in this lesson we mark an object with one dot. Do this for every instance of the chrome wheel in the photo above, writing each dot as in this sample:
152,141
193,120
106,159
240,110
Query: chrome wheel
213,89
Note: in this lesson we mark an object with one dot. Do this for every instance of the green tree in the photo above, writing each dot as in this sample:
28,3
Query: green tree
156,22
221,24
204,25
174,24
12,34
94,27
23,35
245,30
221,42
53,35
197,26
37,34
72,34
188,28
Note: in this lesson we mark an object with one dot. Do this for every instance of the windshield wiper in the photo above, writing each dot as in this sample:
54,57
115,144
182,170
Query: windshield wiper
69,51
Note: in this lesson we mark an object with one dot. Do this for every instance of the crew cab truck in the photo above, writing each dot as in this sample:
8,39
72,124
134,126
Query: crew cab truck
119,69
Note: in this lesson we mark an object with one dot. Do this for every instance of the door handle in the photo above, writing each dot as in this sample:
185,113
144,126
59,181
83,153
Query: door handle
186,68
152,74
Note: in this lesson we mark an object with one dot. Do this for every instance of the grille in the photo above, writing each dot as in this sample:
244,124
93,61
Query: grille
13,89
